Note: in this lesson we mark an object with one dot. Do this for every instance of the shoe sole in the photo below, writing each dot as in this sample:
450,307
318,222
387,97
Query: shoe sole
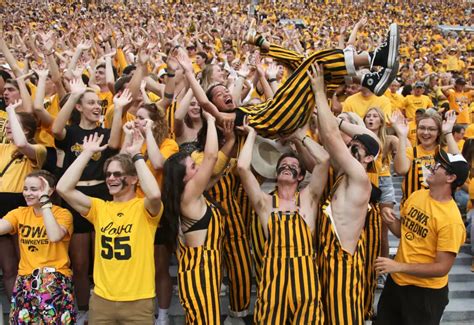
394,32
387,78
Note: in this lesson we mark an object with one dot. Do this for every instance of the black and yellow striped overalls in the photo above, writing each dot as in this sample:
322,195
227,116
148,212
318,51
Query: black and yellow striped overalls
341,274
373,248
414,179
289,290
199,274
293,103
236,248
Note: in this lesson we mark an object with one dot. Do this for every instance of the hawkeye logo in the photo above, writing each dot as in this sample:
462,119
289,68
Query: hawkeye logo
120,214
32,248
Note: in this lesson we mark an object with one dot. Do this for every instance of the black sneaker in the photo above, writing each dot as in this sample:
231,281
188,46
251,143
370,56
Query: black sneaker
378,82
386,54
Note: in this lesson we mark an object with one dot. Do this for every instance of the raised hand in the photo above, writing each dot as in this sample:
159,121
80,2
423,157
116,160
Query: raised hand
77,87
183,60
12,107
449,122
45,188
85,45
92,143
137,143
128,128
246,128
123,99
41,72
399,124
317,78
272,71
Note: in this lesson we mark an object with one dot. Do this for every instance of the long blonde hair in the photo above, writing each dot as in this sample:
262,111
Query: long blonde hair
381,133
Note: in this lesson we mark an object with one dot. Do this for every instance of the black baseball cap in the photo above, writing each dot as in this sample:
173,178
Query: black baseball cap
371,145
454,164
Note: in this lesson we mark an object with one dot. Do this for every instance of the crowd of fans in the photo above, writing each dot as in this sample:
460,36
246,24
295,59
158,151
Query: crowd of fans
128,110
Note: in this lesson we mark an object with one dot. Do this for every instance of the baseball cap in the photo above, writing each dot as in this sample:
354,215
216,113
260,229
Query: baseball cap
369,143
454,164
419,84
460,81
372,147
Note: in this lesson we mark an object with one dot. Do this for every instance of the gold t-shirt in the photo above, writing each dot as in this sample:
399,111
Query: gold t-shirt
427,227
35,248
124,267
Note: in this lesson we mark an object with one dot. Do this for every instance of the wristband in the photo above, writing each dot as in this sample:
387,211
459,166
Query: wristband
170,75
340,123
169,96
48,205
272,80
448,133
137,157
260,40
44,196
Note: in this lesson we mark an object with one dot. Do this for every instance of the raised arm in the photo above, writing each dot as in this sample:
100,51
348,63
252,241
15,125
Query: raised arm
19,138
250,183
27,103
319,174
447,130
197,185
121,101
199,93
8,55
170,85
331,137
147,181
59,125
181,111
54,231
67,184
401,163
38,104
109,71
153,149
48,44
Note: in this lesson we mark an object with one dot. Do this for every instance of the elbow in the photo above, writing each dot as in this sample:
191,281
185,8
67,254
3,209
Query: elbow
55,238
21,144
154,195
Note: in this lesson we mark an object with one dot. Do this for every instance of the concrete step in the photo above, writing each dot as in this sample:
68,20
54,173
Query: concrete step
459,310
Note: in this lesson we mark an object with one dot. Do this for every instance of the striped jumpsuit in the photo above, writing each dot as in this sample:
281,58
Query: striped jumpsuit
373,248
413,180
293,103
289,290
341,275
199,274
236,248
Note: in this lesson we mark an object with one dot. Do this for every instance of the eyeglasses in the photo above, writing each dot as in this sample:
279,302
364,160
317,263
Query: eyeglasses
114,174
36,283
426,129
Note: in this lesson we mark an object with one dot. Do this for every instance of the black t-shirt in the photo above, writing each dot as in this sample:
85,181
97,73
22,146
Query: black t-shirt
72,147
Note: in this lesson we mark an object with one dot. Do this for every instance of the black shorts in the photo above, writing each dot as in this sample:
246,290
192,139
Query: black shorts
411,305
81,225
9,202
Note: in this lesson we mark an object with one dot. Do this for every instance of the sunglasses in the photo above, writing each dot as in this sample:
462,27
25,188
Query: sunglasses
114,174
36,283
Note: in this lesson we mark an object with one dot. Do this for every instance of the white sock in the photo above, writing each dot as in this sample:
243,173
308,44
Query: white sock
162,313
